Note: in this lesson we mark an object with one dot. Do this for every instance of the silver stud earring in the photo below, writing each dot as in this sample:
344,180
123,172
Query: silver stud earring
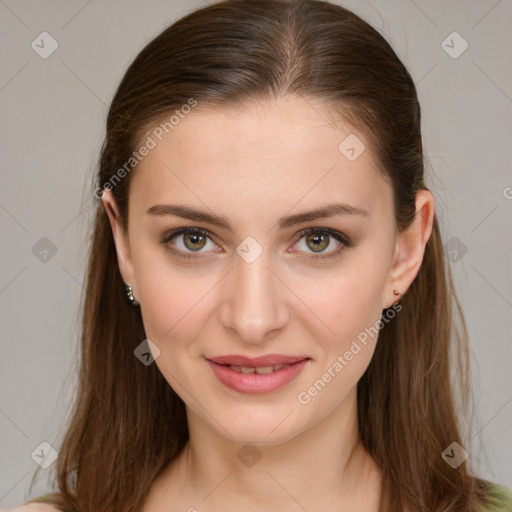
129,294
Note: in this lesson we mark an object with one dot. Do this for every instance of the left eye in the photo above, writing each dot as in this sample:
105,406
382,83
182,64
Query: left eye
318,240
192,240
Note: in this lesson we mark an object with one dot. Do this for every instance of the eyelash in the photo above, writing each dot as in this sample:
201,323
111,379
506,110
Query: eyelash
340,237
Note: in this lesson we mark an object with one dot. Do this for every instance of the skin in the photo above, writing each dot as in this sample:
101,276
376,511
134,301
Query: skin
254,166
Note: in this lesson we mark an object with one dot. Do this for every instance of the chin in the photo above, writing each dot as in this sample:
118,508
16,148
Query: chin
274,429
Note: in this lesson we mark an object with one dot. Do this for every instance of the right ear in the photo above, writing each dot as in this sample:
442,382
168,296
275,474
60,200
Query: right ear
124,258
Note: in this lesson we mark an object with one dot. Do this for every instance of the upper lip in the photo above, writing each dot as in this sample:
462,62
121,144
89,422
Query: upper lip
254,362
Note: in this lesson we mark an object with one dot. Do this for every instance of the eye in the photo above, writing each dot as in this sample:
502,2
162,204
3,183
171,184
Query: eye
318,240
191,240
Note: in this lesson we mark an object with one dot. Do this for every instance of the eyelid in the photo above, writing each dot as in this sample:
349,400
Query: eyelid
333,232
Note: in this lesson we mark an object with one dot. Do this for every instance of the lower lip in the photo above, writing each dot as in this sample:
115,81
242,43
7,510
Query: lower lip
254,383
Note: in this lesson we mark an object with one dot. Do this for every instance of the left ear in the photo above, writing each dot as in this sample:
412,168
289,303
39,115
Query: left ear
410,248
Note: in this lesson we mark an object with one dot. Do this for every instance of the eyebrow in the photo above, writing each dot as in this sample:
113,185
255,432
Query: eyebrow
187,212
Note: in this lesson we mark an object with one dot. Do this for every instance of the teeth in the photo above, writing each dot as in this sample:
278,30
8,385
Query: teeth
260,369
264,369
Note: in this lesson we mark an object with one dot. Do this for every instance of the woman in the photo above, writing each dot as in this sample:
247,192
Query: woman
285,343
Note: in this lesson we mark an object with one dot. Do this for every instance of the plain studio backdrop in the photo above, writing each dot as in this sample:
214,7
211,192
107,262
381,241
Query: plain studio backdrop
61,62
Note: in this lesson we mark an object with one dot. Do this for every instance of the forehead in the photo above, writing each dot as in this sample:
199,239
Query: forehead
273,154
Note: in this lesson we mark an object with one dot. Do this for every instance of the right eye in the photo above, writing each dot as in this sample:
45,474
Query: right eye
192,240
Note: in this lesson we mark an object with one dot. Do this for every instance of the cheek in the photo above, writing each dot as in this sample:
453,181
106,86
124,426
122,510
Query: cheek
347,303
176,303
173,313
170,308
350,307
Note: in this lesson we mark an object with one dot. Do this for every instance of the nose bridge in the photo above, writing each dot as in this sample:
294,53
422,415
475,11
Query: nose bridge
254,303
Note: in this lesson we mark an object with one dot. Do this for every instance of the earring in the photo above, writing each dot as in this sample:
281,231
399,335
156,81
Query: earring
396,292
129,294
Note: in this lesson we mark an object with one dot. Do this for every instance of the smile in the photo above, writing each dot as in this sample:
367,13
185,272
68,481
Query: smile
257,379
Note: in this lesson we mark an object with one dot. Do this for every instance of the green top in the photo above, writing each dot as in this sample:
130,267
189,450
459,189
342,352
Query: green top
500,498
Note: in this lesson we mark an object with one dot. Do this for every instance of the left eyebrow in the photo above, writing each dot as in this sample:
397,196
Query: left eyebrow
187,212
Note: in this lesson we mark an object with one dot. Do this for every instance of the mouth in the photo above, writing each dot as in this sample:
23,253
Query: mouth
255,377
261,370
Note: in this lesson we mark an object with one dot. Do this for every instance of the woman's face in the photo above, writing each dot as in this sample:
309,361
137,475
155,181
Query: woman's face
255,284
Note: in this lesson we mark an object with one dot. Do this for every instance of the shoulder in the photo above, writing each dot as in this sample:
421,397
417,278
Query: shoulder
499,497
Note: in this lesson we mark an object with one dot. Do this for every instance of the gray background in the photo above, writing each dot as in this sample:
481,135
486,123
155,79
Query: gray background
53,114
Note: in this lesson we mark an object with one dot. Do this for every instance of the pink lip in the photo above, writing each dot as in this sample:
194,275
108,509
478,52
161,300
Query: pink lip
253,362
254,383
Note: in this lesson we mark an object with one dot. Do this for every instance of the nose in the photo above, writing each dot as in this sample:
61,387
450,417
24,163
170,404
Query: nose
255,300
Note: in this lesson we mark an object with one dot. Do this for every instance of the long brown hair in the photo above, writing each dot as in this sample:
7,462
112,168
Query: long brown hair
127,422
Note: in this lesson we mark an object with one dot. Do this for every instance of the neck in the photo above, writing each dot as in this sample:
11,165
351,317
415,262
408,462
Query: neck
322,463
